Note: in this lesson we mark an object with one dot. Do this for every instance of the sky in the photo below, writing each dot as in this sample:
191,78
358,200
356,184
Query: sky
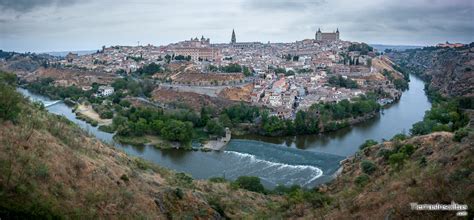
69,25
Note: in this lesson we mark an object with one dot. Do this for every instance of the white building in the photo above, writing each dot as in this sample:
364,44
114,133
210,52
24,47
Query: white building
275,100
105,91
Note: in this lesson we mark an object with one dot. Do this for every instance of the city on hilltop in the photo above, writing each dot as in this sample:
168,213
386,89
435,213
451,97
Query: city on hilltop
283,77
327,109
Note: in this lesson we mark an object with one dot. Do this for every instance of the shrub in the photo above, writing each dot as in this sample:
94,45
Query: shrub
216,205
282,189
397,160
362,180
316,199
107,128
399,137
183,179
460,174
368,143
368,167
422,162
217,179
42,171
385,153
251,183
107,114
8,78
9,102
460,134
179,193
125,103
407,149
124,177
142,164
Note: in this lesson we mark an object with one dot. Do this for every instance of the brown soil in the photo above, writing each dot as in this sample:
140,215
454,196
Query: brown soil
67,77
237,93
188,99
90,113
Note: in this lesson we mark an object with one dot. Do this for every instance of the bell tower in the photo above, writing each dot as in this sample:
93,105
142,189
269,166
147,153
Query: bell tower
233,40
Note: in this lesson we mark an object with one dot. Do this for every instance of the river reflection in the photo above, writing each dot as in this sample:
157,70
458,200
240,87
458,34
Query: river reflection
397,118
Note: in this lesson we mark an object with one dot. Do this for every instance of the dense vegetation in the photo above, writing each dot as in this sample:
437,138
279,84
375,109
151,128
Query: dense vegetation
150,69
400,84
46,87
340,81
320,117
444,115
363,48
141,121
231,68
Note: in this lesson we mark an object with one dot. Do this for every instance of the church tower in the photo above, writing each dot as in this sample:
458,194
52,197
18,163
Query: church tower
233,40
318,35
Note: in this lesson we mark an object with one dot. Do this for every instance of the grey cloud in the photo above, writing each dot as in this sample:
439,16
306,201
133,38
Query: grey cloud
29,5
44,25
281,5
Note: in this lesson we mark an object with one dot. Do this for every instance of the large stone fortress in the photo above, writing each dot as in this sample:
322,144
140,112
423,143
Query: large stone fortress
320,36
197,49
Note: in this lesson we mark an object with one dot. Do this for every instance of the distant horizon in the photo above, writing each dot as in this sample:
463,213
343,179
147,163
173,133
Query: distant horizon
100,47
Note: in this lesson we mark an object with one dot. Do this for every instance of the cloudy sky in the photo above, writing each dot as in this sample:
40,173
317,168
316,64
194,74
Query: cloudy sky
62,25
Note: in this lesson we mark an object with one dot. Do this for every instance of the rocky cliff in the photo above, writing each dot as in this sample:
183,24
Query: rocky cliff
449,70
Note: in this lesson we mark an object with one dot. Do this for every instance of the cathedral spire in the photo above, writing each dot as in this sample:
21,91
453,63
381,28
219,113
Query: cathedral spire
233,40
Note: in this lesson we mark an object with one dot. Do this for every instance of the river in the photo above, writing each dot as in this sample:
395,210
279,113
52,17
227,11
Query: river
304,160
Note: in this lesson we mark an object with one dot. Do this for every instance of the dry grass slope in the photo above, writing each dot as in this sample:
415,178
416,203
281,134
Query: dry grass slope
50,167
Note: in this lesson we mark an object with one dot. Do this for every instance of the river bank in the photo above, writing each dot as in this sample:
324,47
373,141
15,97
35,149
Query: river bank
306,160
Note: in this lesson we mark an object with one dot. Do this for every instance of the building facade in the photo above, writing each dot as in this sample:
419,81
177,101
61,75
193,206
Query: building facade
327,36
196,49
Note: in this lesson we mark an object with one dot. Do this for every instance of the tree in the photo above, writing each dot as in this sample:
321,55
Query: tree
156,126
119,84
176,130
167,58
205,116
401,84
125,103
232,68
274,126
107,114
215,127
150,69
246,71
225,120
300,122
